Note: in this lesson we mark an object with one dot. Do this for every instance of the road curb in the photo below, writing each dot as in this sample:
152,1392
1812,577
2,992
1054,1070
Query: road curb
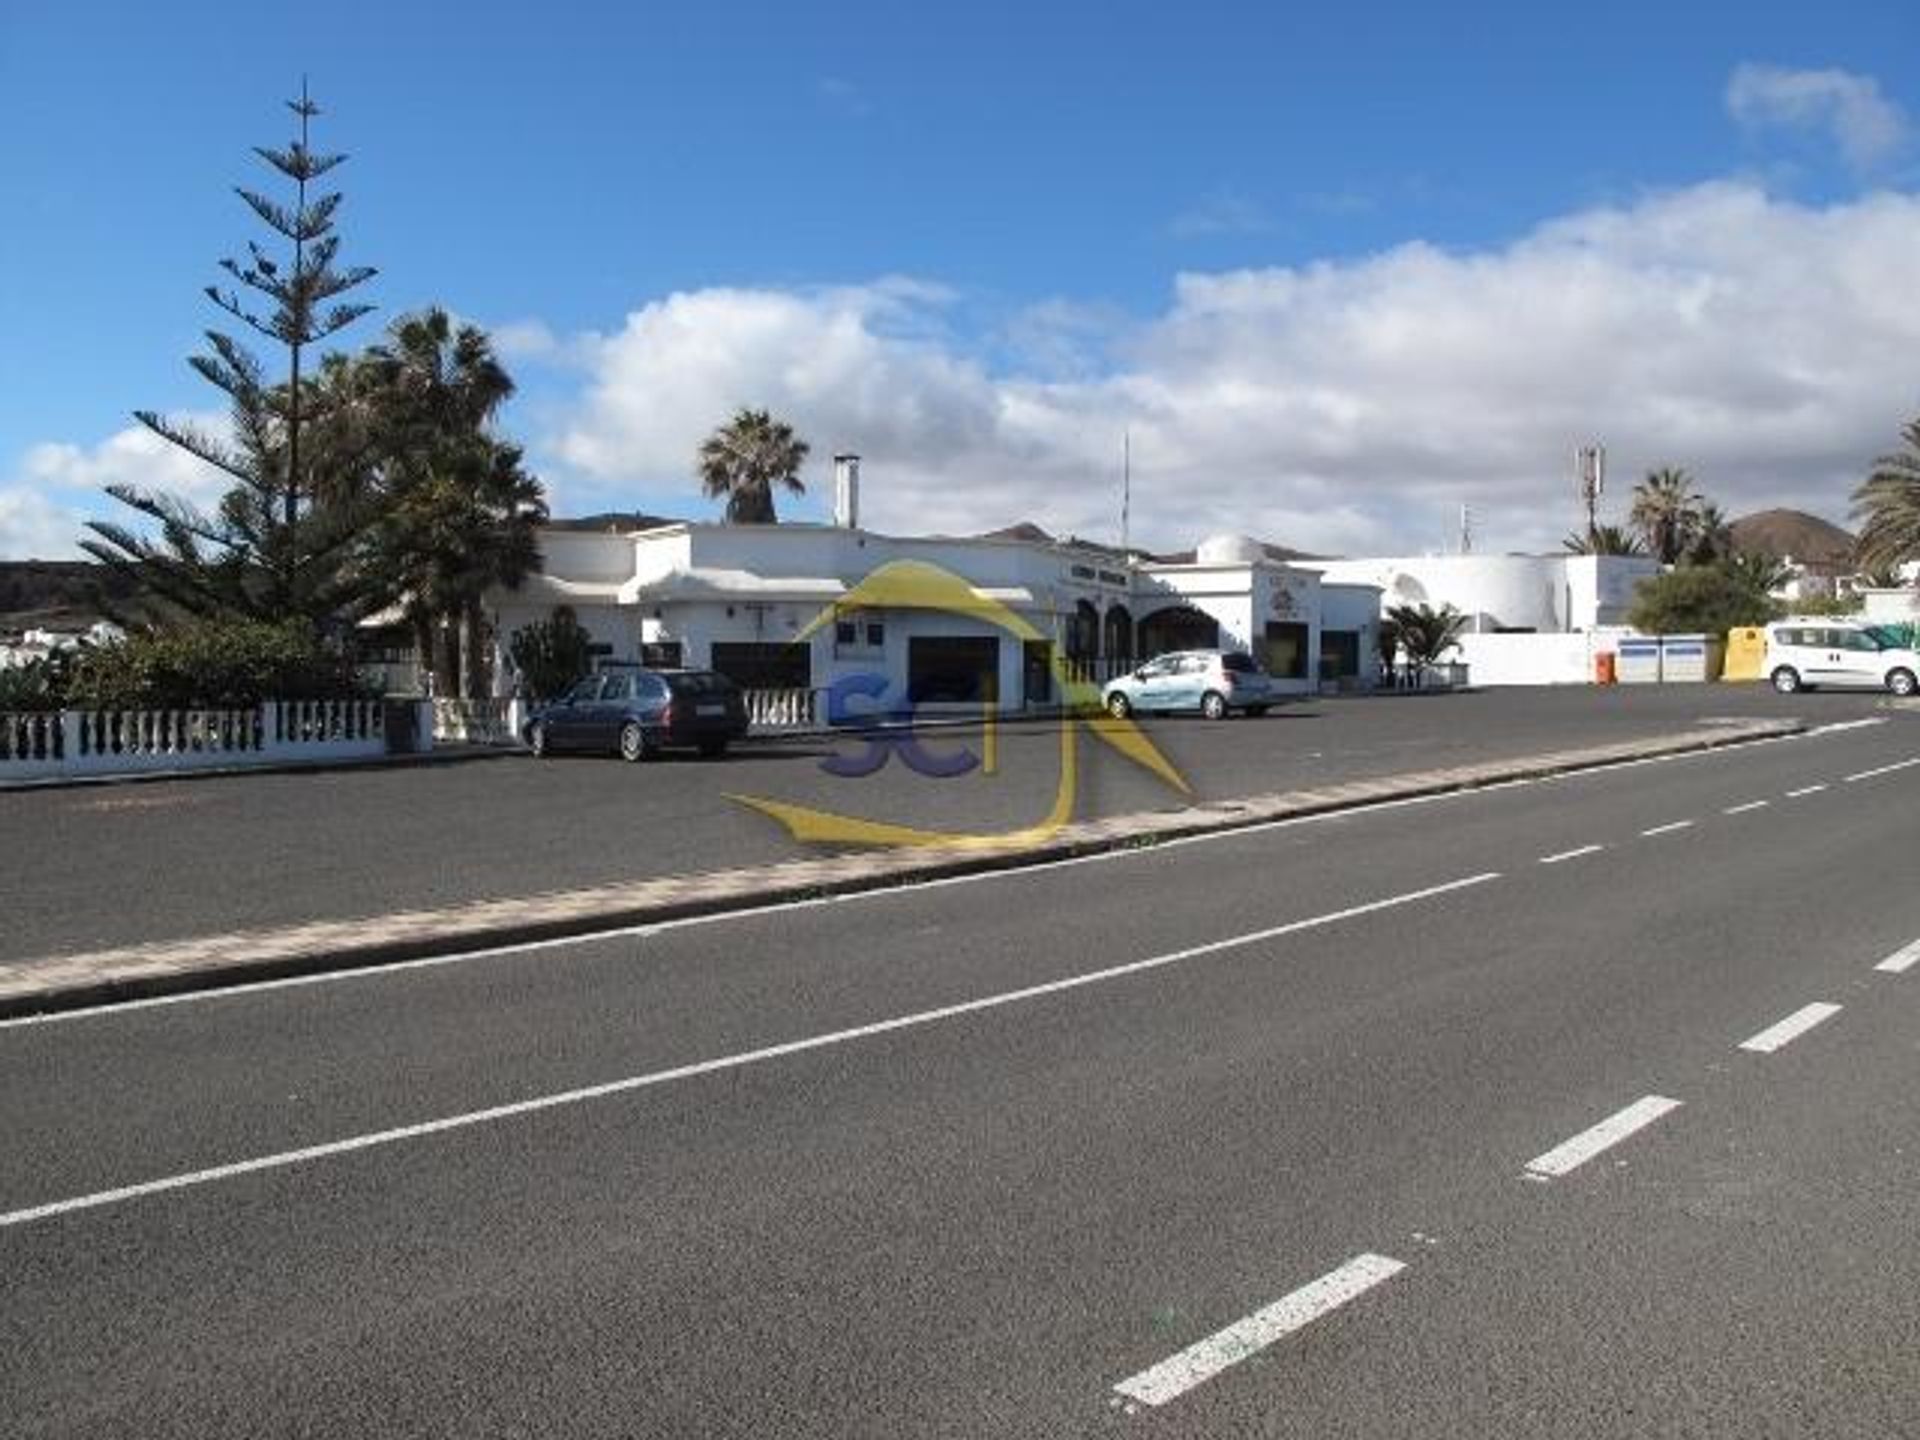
54,983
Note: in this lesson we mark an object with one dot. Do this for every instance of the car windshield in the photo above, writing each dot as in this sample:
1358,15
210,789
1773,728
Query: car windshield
1886,639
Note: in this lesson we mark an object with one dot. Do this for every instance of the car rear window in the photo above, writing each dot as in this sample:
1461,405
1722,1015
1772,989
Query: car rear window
700,682
1240,664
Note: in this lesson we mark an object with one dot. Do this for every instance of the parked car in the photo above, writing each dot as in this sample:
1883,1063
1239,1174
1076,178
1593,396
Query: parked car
1214,682
638,713
1802,654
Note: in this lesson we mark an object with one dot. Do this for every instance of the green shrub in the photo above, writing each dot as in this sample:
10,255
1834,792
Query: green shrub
37,685
551,654
1697,600
212,664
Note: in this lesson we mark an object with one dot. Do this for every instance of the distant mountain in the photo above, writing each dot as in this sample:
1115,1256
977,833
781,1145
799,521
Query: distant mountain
1808,539
57,594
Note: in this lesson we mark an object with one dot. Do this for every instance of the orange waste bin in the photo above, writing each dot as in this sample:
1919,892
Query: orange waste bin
1603,668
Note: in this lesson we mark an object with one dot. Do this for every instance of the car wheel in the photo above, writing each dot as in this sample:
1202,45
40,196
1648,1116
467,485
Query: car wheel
633,742
537,741
1786,680
713,749
1213,705
1901,683
1119,706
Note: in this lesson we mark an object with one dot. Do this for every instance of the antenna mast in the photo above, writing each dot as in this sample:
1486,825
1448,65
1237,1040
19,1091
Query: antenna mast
1126,491
1590,479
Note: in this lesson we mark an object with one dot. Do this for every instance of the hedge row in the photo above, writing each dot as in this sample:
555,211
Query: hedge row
206,664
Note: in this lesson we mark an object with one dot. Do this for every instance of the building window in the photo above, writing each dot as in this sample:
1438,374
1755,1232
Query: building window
858,634
754,665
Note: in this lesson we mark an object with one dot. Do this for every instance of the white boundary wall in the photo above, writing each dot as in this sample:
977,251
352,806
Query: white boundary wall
125,742
1529,659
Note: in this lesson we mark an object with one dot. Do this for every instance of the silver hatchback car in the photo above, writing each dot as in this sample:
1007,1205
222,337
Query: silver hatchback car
1214,682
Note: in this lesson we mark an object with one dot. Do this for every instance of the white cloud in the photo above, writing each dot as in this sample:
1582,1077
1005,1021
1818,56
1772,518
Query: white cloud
1224,212
56,487
1869,128
32,527
1344,407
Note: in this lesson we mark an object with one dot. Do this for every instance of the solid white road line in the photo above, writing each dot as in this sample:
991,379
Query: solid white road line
1882,770
1743,809
1668,829
1173,1377
1796,1024
725,1062
1901,960
1805,790
1837,726
1571,1154
1571,854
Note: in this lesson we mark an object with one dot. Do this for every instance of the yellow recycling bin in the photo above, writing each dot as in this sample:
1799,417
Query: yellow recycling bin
1746,653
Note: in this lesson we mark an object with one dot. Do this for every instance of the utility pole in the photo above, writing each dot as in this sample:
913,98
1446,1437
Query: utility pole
1126,491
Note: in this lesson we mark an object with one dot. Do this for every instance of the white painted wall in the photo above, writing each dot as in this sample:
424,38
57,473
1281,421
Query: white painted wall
1541,592
1899,604
1527,659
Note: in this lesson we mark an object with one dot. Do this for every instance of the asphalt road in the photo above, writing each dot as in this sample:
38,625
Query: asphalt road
1272,1133
92,867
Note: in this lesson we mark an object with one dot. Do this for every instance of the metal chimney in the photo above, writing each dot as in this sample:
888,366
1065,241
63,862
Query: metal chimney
846,491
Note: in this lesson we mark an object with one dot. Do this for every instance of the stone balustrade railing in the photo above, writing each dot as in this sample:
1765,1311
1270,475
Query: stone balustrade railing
769,712
111,742
477,722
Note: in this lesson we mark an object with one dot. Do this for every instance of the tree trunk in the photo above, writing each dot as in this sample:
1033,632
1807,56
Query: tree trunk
477,672
423,656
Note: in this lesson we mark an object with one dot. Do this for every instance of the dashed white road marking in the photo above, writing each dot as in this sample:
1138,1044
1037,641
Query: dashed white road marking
1199,1362
1882,770
1901,960
1668,829
1796,1024
1805,790
1571,854
736,1061
1569,1155
1743,809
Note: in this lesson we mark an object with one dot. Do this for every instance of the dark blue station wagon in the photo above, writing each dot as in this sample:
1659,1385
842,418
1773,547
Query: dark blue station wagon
635,714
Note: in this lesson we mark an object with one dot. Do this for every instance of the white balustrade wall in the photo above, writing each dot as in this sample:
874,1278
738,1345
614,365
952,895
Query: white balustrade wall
116,742
477,722
771,711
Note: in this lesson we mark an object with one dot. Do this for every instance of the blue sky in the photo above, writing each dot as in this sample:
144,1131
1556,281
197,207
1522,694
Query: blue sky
1339,270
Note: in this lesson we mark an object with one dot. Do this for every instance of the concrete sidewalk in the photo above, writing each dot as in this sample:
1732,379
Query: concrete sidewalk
58,982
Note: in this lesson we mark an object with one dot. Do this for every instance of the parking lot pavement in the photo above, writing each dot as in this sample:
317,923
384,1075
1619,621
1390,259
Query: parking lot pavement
126,865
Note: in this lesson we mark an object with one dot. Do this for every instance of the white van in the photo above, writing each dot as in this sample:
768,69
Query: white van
1804,653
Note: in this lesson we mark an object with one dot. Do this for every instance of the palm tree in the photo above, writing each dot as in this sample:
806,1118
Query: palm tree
745,458
1604,540
1888,506
1425,633
1758,571
1666,512
1712,537
461,510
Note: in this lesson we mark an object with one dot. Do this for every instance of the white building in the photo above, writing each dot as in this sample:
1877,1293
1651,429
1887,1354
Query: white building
1542,594
745,599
